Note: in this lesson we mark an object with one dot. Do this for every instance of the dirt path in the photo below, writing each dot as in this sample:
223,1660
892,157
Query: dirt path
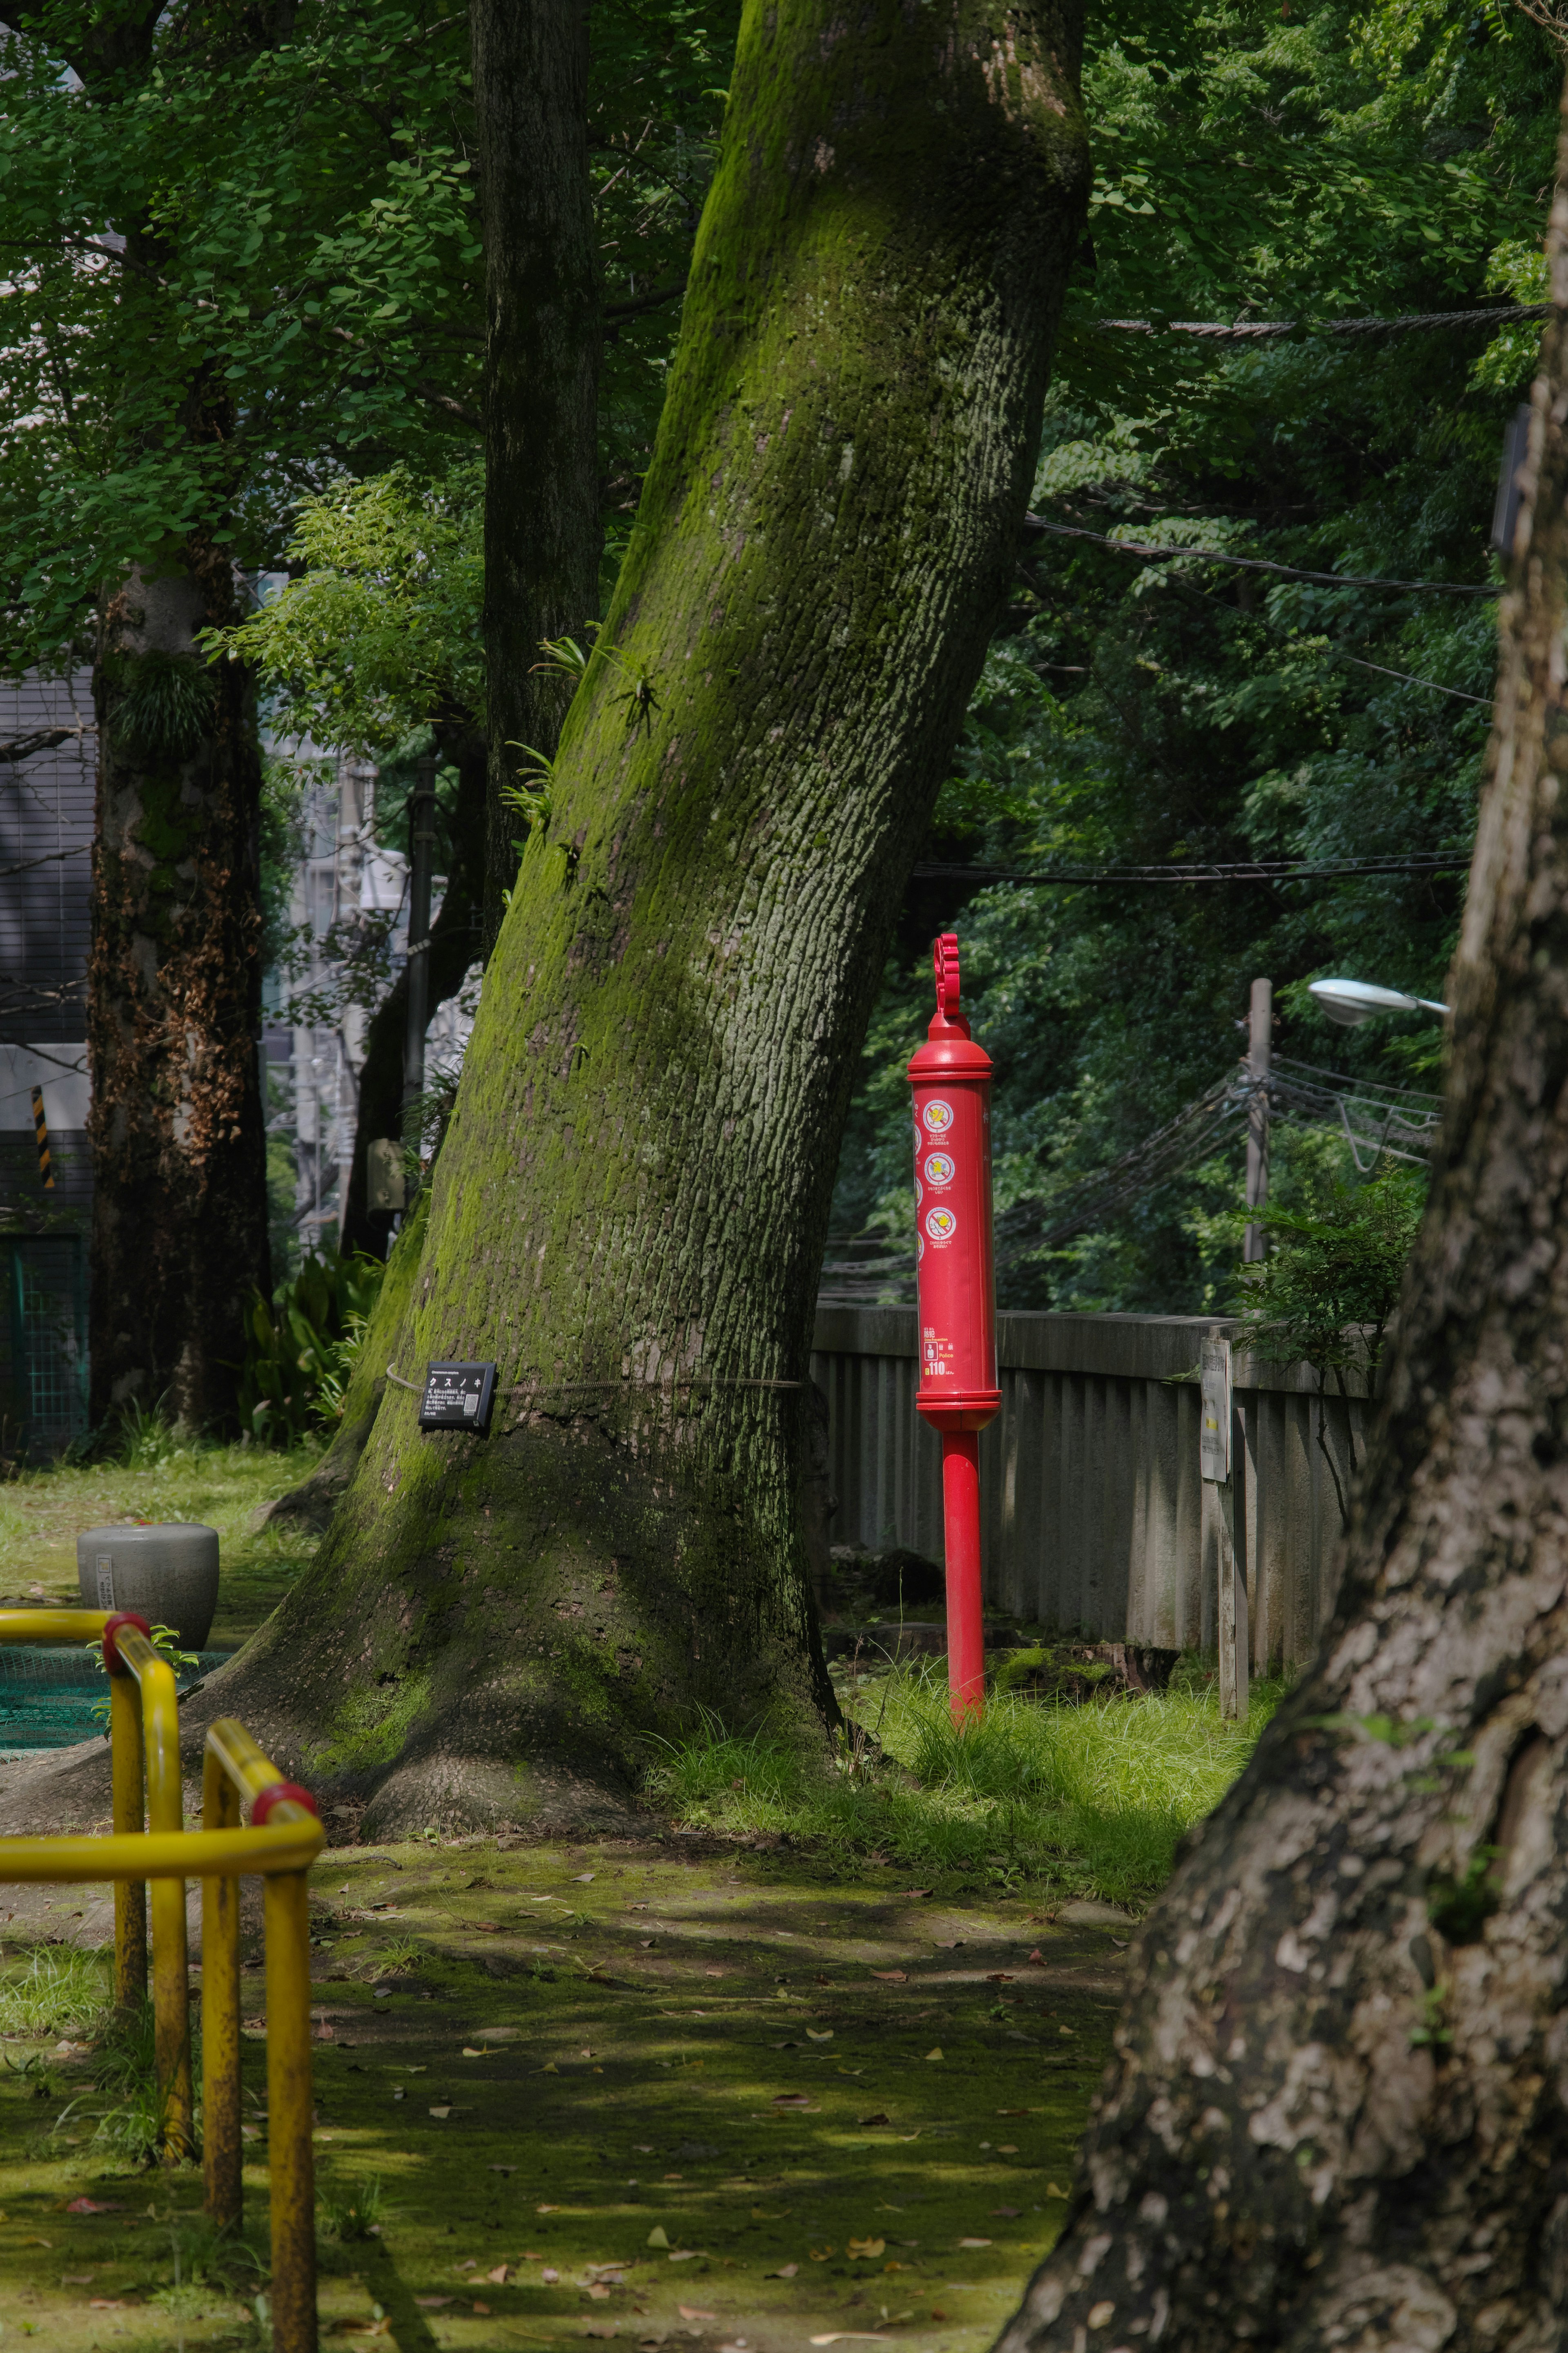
631,2092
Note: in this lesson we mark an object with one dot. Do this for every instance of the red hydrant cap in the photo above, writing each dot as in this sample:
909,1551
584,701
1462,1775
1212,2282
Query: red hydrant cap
275,1793
117,1625
949,1052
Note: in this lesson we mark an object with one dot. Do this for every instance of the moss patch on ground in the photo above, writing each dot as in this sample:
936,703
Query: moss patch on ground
665,2094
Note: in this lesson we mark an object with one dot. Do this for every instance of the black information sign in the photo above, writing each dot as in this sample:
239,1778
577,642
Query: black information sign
457,1396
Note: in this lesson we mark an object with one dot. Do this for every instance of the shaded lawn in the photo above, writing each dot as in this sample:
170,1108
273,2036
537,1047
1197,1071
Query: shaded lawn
696,2046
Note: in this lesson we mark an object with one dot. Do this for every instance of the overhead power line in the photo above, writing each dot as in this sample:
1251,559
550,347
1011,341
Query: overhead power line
1261,330
1376,1120
1262,869
1036,527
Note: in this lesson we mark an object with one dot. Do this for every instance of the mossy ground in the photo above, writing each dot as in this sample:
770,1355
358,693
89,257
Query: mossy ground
696,2043
724,2037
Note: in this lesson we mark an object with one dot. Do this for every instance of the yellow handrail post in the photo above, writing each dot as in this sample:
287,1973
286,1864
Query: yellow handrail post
166,1812
290,2114
129,1895
222,2150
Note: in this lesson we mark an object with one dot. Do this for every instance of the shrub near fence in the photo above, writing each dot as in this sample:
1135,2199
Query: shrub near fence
1094,1513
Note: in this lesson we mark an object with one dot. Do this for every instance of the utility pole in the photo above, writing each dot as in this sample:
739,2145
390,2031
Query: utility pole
421,855
1259,1058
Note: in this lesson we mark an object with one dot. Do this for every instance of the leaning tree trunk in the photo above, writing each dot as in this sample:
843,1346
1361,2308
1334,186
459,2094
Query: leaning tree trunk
1338,2110
630,1206
542,336
179,1156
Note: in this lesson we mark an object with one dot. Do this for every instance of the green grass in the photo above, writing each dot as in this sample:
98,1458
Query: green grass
1081,1800
158,1475
61,1990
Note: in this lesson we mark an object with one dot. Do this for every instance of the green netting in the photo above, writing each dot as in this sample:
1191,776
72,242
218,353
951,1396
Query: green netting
48,1696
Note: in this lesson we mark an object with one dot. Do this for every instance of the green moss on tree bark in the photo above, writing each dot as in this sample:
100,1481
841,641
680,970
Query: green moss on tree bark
630,1208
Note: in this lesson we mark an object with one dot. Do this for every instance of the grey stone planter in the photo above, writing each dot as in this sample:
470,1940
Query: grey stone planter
166,1572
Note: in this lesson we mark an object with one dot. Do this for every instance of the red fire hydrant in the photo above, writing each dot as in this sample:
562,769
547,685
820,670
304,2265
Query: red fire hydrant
958,1392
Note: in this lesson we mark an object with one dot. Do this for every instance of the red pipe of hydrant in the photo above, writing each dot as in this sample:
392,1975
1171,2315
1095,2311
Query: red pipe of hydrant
958,1392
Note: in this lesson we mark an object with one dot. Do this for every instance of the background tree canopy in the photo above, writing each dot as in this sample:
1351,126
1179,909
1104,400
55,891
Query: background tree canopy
1251,162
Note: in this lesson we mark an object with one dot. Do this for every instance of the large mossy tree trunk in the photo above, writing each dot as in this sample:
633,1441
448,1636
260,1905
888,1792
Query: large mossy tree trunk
1338,2110
179,1155
629,1211
543,339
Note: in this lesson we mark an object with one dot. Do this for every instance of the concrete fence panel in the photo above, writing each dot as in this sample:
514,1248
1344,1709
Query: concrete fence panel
1094,1514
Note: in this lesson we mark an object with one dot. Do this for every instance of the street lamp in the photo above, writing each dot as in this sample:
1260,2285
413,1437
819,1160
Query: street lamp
1352,1002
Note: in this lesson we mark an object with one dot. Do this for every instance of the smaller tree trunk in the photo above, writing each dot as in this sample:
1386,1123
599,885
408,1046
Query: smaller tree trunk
455,940
179,1226
542,533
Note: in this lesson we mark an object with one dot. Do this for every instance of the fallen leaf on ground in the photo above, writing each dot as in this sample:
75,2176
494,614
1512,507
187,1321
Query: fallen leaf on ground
948,1944
997,1977
1052,2192
38,2243
847,2337
432,2303
1007,2148
503,2168
713,1973
814,2034
471,2265
792,2099
878,2119
975,2243
1064,2029
484,2308
500,2275
440,2111
937,2312
784,2271
684,2254
598,2291
94,2206
655,2237
934,2055
1038,1956
547,2209
469,2053
550,2274
1012,2112
821,2255
600,2328
860,2250
916,1891
695,2312
582,1879
105,2304
892,1976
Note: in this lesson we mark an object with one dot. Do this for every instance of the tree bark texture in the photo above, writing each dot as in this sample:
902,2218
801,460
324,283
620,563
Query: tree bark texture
179,1219
454,945
1338,2110
629,1210
543,532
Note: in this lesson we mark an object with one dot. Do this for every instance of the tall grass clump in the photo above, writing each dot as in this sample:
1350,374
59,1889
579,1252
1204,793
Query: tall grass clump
62,1990
1077,1800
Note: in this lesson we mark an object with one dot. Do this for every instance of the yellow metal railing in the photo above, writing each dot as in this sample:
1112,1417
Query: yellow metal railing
150,1847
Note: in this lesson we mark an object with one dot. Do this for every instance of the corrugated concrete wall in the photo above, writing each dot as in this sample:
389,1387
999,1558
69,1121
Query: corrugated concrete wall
1095,1517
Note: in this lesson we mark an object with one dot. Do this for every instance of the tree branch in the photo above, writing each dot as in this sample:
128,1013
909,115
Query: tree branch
641,303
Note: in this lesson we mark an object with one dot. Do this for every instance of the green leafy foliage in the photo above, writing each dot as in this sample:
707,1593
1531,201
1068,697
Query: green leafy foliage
1324,1294
1251,164
302,1345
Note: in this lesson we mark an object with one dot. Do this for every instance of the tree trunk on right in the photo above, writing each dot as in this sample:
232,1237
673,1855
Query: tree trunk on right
1338,2112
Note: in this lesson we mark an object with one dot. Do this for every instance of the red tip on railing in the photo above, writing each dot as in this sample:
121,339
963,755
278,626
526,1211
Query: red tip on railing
274,1795
121,1619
